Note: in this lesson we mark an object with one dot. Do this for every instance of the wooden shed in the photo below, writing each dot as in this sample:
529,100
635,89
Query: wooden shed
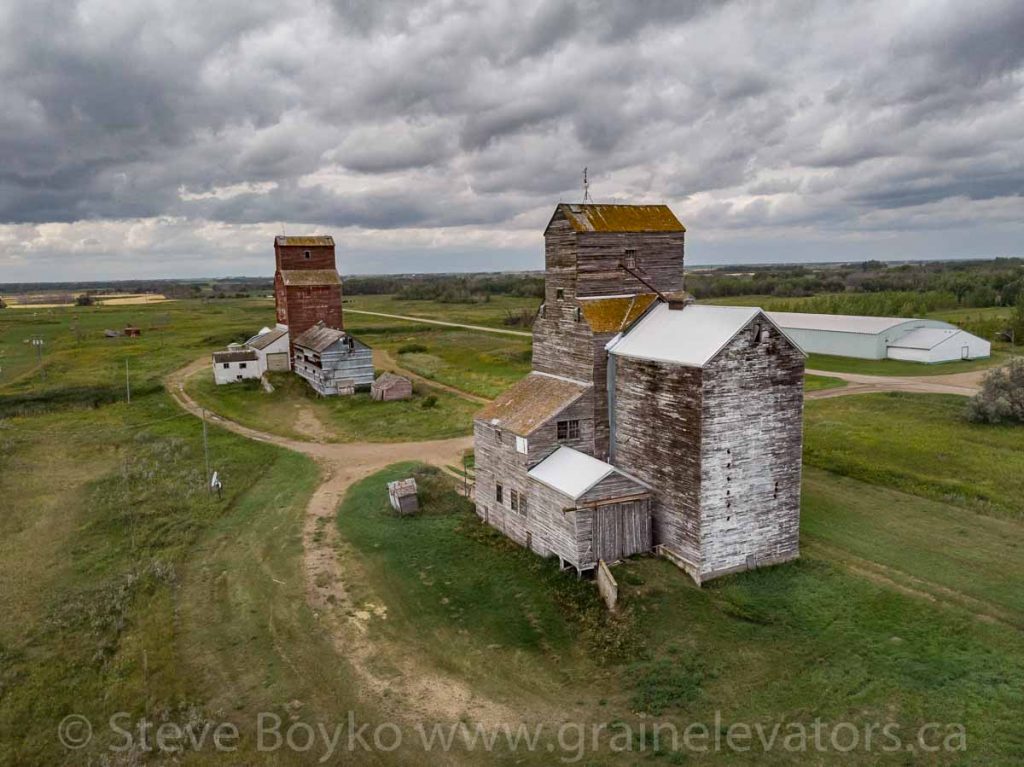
332,361
403,496
391,387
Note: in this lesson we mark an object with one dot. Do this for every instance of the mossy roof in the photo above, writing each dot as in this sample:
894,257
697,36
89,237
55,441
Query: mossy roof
310,277
532,402
620,218
312,241
615,314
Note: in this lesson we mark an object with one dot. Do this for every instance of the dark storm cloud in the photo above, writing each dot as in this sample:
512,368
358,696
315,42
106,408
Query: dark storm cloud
443,114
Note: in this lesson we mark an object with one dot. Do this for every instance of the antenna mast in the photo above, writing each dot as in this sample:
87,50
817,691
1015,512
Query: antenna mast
586,188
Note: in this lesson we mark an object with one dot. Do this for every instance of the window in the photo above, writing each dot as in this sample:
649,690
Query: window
522,504
568,430
513,500
560,293
522,446
306,254
578,313
227,365
498,494
629,258
241,365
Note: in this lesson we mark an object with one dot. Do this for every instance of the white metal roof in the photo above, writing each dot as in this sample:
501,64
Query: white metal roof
840,323
924,338
689,336
570,471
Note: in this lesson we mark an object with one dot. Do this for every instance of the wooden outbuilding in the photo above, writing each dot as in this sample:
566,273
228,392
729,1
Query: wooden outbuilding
332,361
403,496
389,386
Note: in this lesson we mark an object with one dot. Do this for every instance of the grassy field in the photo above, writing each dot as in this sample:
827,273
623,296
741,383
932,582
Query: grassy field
934,452
899,367
817,383
788,644
492,313
293,410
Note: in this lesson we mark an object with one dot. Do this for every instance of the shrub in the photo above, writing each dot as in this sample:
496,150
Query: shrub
84,299
429,401
1001,399
412,349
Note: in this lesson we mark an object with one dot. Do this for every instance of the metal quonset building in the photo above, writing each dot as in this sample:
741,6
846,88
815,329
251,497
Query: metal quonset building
879,338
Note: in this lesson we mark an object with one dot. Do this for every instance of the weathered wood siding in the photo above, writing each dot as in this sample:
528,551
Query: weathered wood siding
752,443
658,414
659,257
543,441
336,370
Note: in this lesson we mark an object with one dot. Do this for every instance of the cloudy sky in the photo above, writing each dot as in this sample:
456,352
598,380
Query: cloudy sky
176,137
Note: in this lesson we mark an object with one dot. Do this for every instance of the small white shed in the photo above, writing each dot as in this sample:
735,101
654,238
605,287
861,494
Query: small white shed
939,345
235,365
271,347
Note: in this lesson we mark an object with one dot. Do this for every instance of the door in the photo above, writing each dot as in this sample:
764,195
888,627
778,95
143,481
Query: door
965,353
608,532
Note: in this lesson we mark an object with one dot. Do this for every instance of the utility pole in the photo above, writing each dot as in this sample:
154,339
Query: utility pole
206,454
127,383
37,341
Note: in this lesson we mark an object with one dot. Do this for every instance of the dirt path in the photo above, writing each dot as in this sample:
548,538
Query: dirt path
481,328
964,384
405,684
384,361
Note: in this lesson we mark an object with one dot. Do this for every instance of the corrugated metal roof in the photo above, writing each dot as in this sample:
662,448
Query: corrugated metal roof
312,241
924,338
571,472
244,355
531,402
621,218
690,336
840,323
310,277
263,340
611,315
319,337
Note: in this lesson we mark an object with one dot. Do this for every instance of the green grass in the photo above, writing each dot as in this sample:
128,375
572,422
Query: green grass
492,313
939,543
899,367
787,644
102,572
920,444
293,410
817,383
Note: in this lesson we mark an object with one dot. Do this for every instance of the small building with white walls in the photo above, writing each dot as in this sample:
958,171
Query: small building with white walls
234,365
879,338
271,347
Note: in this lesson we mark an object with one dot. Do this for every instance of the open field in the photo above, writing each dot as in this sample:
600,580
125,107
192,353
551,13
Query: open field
492,313
817,383
293,410
900,367
129,587
919,443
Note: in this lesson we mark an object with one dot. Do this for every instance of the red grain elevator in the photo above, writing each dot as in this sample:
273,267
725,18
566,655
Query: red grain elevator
307,288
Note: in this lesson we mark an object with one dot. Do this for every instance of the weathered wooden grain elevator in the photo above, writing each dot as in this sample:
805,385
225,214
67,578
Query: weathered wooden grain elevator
648,422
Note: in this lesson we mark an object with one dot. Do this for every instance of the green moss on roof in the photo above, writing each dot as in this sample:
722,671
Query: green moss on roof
621,218
312,241
310,277
611,315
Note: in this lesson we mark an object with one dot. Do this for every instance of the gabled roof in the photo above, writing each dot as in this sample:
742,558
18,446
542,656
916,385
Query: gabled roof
310,277
840,323
690,336
615,313
924,338
233,355
573,473
265,338
531,402
387,380
620,218
319,337
312,241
